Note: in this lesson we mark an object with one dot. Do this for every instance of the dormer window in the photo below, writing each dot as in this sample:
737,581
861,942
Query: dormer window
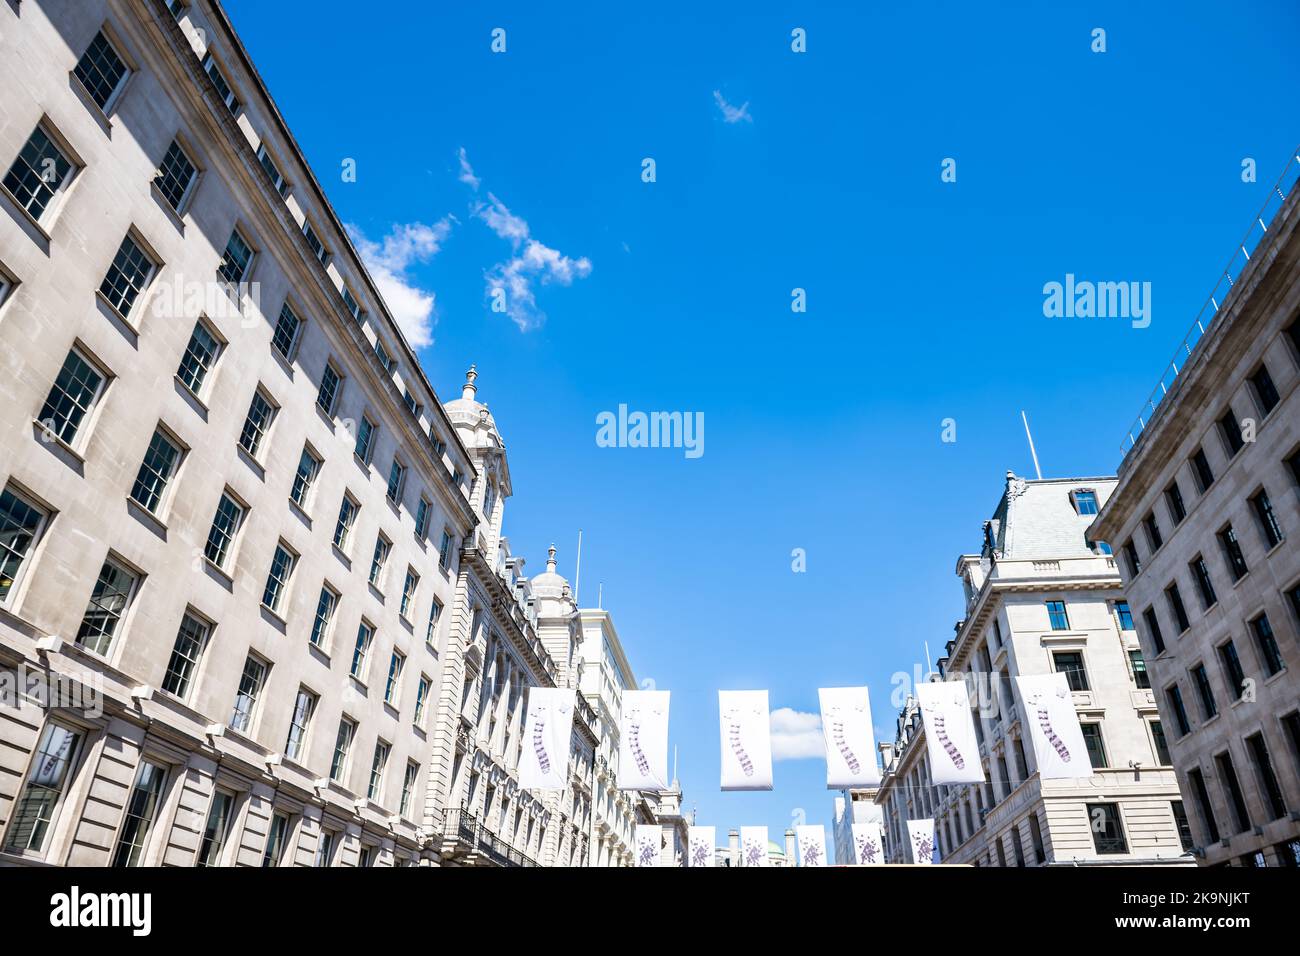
1085,501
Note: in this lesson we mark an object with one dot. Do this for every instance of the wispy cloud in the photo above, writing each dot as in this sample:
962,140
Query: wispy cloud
796,735
533,262
388,261
732,114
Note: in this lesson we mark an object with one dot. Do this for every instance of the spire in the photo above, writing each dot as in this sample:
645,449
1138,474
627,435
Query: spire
550,560
468,392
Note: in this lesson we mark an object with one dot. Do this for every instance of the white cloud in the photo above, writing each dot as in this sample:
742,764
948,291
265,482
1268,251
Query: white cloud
533,262
388,261
796,735
732,114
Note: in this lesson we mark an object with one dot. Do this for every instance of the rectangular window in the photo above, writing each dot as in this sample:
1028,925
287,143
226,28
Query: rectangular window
1153,629
365,439
1232,669
382,547
272,171
225,525
108,603
304,706
141,808
277,579
47,780
1268,523
435,612
1232,790
421,699
1265,390
361,651
1204,690
382,354
351,304
1036,837
313,242
1154,538
1230,431
176,175
224,92
39,173
1202,794
286,331
308,468
444,550
71,398
191,638
1232,555
1107,830
377,764
260,415
155,472
347,515
1056,613
1096,748
324,848
1125,615
215,829
342,744
276,838
325,606
409,587
1174,501
1131,559
101,71
396,478
1182,825
1269,652
1175,599
1141,679
1201,470
408,788
1201,575
395,665
1268,785
1174,694
1161,742
422,518
127,277
1070,663
329,390
236,260
20,524
200,355
250,690
1085,502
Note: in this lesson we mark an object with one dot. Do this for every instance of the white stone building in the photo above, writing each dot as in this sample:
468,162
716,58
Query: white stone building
1205,519
1043,595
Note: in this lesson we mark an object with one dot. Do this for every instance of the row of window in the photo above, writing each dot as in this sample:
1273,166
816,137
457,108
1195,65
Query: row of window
57,760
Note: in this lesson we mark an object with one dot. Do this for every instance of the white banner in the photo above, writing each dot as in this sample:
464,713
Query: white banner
868,843
811,841
850,743
701,841
649,840
643,741
746,740
544,757
1053,723
753,843
921,835
949,733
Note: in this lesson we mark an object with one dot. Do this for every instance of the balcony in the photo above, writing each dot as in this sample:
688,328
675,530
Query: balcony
468,841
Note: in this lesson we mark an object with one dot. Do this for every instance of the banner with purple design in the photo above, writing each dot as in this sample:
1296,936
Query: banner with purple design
920,834
746,740
811,842
649,839
753,843
643,741
850,741
949,733
544,757
1053,727
868,843
700,841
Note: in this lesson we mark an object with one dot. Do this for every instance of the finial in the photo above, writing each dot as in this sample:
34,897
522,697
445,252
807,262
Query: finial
550,559
468,392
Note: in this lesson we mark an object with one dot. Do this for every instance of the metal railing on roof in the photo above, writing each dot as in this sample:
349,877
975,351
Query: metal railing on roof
1240,259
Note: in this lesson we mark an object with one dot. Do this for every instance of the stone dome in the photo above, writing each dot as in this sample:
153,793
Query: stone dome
549,584
471,418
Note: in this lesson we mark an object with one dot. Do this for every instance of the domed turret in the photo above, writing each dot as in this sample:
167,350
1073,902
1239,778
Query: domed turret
471,418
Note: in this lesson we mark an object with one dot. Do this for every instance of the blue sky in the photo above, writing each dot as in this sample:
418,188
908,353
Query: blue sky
822,429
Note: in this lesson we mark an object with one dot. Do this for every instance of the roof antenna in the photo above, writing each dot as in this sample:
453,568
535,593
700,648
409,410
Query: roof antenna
600,595
577,571
1038,471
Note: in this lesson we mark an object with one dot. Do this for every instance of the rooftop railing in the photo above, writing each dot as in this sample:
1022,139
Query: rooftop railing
1236,265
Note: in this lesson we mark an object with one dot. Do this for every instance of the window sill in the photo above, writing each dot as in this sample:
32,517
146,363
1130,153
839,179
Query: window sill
47,437
325,415
251,462
269,611
22,211
1277,547
285,361
96,111
192,397
1272,679
218,570
171,212
146,516
342,556
301,512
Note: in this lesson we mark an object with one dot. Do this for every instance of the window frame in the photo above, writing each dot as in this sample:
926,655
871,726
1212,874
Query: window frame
142,294
129,69
81,433
163,505
50,209
182,206
205,386
22,572
137,578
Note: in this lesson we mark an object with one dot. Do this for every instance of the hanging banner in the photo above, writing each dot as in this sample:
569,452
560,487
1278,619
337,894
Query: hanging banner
643,741
868,843
921,835
649,839
544,757
753,843
850,743
701,845
811,841
949,733
746,740
1059,748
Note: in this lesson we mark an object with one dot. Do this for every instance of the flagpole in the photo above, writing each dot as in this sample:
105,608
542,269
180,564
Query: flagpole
1038,471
